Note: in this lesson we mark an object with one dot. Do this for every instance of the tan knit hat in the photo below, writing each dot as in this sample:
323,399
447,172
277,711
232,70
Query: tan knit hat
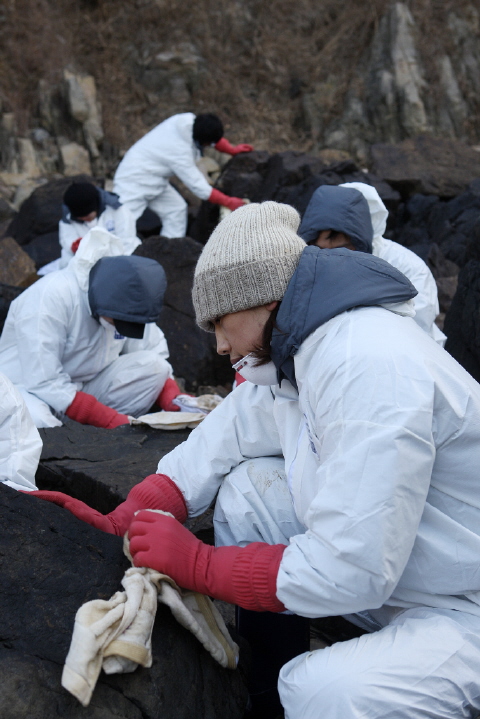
247,262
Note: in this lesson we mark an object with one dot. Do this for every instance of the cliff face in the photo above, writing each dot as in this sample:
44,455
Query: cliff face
80,82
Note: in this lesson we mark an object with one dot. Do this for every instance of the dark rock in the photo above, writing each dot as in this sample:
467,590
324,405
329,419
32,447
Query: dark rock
42,210
16,267
462,323
100,466
8,293
44,249
426,164
51,564
192,351
6,210
290,177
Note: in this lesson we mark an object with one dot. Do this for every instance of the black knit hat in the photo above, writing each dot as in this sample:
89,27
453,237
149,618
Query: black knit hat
82,198
207,129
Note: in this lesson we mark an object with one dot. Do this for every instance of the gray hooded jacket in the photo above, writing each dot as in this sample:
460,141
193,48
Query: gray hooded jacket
342,209
325,284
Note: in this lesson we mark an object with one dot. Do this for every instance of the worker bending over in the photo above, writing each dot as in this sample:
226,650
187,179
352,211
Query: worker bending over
172,148
86,206
345,474
83,342
354,231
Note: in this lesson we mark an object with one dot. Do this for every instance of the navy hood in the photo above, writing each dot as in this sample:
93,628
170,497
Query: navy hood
128,288
325,284
342,209
106,199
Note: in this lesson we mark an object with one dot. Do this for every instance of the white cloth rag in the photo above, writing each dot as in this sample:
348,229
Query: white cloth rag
116,634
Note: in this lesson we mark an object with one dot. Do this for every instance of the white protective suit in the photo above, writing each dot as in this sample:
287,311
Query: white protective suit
51,346
412,266
141,179
119,221
369,473
19,440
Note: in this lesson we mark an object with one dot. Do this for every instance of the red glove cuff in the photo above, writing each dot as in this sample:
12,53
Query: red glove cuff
170,390
86,409
247,576
157,491
223,145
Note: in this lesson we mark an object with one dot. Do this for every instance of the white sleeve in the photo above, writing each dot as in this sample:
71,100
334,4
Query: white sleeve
68,232
376,452
19,440
41,331
183,165
241,427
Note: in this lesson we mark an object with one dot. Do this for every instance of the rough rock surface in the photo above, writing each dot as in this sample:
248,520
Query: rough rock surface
42,211
16,267
52,563
462,323
290,177
427,165
192,351
44,249
100,466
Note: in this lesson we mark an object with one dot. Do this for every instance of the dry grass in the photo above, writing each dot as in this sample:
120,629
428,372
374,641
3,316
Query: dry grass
259,55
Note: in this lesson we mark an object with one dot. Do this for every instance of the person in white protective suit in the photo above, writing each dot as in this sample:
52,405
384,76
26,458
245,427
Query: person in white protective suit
314,230
345,471
83,342
86,206
19,439
172,148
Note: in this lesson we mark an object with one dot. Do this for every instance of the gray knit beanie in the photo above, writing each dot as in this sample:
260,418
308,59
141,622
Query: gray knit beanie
247,262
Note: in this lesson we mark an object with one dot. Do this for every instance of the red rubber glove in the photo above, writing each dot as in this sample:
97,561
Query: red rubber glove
245,576
74,246
218,198
169,392
157,491
88,410
224,145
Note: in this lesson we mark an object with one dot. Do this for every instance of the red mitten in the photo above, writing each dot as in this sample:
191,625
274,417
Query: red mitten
169,392
240,575
157,491
218,198
88,410
223,145
74,246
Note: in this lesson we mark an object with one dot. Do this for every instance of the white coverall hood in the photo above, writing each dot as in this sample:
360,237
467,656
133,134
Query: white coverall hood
378,211
96,244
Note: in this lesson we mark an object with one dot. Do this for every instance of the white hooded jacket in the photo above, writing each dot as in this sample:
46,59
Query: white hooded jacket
51,345
165,151
412,266
381,454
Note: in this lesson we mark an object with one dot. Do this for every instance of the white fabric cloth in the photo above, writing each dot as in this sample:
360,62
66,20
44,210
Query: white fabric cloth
141,179
20,443
412,266
120,222
51,347
116,635
381,454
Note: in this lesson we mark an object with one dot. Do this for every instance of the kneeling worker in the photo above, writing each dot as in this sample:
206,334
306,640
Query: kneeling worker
86,206
83,342
172,148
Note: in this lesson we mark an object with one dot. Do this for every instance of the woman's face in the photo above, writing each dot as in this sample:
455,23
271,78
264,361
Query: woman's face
240,333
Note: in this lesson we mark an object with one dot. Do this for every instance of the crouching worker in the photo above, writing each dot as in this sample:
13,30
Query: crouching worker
83,342
86,206
347,479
